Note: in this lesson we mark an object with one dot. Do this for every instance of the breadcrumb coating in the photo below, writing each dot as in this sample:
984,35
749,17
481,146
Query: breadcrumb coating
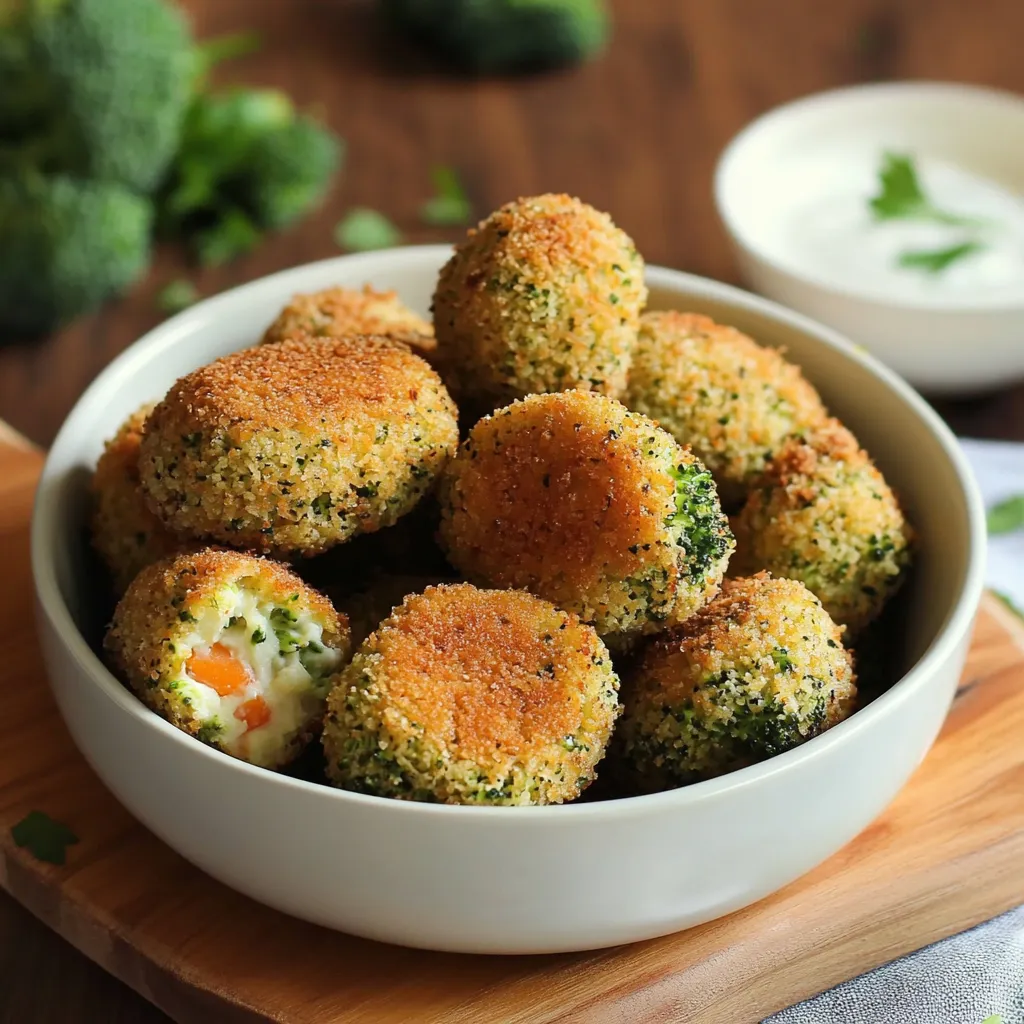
759,670
295,447
823,514
588,505
471,696
125,533
340,312
543,295
733,401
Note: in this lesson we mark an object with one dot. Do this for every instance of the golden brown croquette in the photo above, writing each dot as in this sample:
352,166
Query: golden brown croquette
588,505
544,295
711,387
231,648
823,514
294,447
469,696
340,312
125,532
760,669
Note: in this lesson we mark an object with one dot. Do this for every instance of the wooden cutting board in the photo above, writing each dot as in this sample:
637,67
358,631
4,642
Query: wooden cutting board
946,855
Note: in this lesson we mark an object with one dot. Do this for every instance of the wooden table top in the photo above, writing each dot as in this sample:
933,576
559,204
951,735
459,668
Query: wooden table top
636,133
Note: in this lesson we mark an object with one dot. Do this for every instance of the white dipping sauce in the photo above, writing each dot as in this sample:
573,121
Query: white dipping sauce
827,229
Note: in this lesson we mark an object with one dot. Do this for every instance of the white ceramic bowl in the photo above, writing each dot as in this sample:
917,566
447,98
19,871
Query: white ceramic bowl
513,880
943,344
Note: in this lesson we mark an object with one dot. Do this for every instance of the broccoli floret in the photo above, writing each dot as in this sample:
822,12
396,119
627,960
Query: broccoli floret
67,244
247,162
495,36
290,171
97,88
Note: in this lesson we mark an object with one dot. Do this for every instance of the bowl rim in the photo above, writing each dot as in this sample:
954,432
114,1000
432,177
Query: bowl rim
846,97
51,605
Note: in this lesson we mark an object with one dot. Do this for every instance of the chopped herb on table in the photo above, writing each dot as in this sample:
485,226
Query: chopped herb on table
47,840
363,229
450,206
1007,515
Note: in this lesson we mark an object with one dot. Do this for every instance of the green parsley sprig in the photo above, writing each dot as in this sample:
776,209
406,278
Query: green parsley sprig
47,840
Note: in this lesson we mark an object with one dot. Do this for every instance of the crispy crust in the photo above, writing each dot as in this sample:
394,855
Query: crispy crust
465,696
823,514
127,535
297,446
568,495
544,295
761,668
143,643
734,401
340,312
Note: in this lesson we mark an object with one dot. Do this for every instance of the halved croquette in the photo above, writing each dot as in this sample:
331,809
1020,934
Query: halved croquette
125,533
467,696
761,669
232,648
823,514
588,505
733,401
295,447
340,312
544,295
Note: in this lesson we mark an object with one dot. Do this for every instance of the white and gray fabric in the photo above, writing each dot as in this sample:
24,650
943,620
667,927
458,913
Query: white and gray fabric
980,973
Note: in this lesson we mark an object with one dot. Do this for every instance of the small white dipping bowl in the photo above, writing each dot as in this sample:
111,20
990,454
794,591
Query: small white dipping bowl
506,879
947,343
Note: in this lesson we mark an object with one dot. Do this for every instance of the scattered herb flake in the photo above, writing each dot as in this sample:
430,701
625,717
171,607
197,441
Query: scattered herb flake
934,261
1007,515
783,662
996,1018
363,229
176,296
449,206
47,840
902,198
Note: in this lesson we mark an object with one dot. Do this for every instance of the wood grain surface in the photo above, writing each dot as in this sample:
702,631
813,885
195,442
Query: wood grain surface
946,855
636,133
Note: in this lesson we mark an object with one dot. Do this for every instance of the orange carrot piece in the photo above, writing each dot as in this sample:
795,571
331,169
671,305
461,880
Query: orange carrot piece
220,669
254,712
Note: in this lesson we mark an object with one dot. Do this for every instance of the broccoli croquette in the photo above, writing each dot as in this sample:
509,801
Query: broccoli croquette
824,515
588,505
234,649
732,400
467,696
295,447
340,312
544,295
124,531
759,670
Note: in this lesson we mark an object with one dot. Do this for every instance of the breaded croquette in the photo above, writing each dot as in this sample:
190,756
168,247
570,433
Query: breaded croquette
544,295
233,649
823,514
468,696
733,401
340,312
294,447
588,505
761,669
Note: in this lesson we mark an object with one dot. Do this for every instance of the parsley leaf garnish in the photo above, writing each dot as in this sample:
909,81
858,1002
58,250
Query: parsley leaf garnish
176,296
902,198
450,205
934,261
1007,515
996,1018
783,662
363,229
47,840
